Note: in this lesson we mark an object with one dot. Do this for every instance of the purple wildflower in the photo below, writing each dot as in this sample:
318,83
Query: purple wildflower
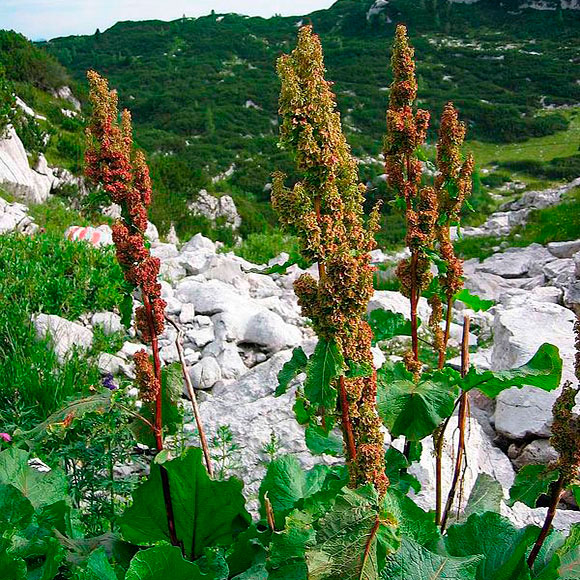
6,437
109,383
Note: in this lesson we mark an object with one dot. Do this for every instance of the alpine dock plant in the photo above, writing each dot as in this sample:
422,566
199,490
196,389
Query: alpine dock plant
325,211
430,211
123,173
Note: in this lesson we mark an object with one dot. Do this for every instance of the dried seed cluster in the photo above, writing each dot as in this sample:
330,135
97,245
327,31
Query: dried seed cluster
325,210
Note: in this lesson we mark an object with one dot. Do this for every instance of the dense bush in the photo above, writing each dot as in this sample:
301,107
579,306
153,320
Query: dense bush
50,275
25,62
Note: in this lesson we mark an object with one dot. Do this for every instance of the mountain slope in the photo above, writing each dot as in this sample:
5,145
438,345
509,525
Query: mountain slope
204,91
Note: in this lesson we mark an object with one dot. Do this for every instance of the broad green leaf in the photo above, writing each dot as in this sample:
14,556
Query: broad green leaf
302,410
486,496
77,409
98,567
543,370
569,554
319,442
11,567
290,370
207,513
413,521
16,511
386,324
41,551
472,301
413,409
163,562
286,554
325,365
548,561
530,483
396,466
248,553
504,546
353,538
286,483
41,488
414,562
214,564
576,493
359,369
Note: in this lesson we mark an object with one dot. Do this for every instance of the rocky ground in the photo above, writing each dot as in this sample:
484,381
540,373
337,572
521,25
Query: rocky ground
240,328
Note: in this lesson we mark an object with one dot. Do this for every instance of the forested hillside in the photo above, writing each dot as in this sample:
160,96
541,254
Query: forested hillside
204,91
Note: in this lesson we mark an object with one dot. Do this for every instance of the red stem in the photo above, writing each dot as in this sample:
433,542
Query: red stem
443,351
556,495
372,535
158,431
346,422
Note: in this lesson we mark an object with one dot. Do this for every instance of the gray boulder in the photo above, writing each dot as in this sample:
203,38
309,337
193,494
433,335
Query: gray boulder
564,249
206,373
108,321
518,333
64,335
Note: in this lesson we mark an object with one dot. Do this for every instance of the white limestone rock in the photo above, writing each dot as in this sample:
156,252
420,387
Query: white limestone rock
14,218
215,208
252,412
564,249
206,373
199,242
228,357
187,315
64,335
518,333
17,177
560,272
109,321
516,262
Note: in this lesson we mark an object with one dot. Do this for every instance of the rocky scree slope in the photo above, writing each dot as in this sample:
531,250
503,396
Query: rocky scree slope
240,327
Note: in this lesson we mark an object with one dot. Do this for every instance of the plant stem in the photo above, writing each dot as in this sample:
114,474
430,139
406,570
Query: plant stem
372,535
346,423
158,431
192,397
462,421
555,498
438,439
443,351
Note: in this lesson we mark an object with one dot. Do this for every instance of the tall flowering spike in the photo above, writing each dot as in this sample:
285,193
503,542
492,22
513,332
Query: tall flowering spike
406,132
325,210
453,186
124,175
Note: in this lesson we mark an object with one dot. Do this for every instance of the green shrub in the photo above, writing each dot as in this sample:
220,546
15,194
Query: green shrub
551,224
260,248
51,275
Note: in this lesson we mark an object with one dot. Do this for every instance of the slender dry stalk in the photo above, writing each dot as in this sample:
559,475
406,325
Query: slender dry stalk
192,396
462,422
